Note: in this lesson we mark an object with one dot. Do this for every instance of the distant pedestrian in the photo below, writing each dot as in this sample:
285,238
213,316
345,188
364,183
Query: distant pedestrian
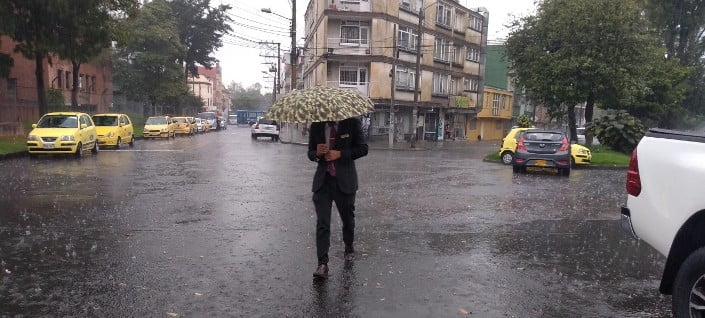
335,146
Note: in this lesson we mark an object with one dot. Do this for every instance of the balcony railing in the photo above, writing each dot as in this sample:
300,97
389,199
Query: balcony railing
347,46
362,87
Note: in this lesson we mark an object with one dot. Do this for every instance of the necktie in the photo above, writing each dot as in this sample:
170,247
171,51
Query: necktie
331,146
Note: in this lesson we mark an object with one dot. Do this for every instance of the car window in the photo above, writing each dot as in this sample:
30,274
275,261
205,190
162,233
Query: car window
105,120
543,136
83,121
58,121
267,122
156,121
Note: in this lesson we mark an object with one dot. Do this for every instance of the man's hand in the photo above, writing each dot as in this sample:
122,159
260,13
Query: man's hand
321,149
332,155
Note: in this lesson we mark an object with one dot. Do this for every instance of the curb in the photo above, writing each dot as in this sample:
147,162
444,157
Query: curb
588,167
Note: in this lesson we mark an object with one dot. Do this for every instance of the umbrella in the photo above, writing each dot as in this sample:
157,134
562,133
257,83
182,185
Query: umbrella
318,104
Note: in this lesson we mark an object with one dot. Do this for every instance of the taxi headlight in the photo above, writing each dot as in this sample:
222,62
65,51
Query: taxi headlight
68,138
583,152
32,138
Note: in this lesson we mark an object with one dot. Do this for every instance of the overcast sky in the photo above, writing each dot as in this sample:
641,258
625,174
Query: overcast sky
240,56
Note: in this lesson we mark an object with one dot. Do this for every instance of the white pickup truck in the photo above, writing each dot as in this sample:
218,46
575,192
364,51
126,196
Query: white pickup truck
666,208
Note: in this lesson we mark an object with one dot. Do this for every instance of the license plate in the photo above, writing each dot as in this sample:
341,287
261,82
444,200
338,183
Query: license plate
541,163
49,146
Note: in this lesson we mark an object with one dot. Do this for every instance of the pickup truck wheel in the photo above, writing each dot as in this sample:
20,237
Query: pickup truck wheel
689,287
507,157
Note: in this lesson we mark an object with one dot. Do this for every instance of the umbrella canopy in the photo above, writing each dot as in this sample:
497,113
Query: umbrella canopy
318,104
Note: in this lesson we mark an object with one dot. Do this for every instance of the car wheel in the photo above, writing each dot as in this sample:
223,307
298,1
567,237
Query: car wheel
689,287
132,141
95,149
79,150
507,157
118,145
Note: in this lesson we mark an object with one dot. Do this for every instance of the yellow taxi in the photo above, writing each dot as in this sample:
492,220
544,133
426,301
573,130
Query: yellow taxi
114,130
192,122
580,154
63,133
159,127
207,125
182,125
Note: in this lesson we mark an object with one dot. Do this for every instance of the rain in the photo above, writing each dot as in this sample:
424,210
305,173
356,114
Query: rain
223,225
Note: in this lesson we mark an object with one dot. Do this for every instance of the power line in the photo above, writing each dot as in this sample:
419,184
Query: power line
258,22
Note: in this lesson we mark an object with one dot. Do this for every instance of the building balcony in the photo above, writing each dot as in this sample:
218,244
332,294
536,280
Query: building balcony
362,87
346,46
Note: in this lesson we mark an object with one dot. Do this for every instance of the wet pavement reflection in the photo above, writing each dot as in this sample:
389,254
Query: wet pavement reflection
221,225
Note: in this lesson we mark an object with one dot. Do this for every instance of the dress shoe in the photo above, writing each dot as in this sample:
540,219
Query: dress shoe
321,271
349,253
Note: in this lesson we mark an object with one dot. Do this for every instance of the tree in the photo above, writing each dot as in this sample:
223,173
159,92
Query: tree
146,67
580,51
248,98
33,25
201,29
86,28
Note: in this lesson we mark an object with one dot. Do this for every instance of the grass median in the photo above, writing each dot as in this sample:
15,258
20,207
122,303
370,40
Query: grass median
12,144
601,157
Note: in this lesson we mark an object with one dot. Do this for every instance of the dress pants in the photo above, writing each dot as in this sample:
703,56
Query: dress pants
323,201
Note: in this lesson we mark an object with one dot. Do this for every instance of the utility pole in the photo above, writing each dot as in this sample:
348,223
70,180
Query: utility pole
417,77
393,75
294,53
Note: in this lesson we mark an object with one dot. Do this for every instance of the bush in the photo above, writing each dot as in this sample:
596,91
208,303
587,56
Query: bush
618,130
524,121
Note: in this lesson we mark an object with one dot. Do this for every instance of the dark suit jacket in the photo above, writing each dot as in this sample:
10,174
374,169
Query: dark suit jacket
350,142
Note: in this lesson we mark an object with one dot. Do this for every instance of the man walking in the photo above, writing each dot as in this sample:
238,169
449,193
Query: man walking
335,146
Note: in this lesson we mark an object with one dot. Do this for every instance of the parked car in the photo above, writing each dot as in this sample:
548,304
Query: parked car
232,119
200,125
182,125
580,154
542,149
666,209
159,127
265,128
114,130
211,118
192,123
63,133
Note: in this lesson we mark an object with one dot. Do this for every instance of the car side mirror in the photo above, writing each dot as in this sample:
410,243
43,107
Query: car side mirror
84,126
34,125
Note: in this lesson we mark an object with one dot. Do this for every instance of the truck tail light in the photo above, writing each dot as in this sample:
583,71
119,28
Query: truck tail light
564,144
633,179
520,144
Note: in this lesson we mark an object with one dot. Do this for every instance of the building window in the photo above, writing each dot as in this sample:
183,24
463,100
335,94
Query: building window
408,38
443,14
81,83
68,80
411,5
354,32
495,104
453,86
471,84
440,84
475,22
440,50
473,54
457,55
12,89
350,75
60,79
93,84
406,78
459,21
473,124
503,102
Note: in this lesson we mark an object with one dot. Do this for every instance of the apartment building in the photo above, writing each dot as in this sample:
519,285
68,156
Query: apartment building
350,44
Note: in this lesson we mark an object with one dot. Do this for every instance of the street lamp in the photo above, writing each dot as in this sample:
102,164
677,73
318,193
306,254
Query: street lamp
294,50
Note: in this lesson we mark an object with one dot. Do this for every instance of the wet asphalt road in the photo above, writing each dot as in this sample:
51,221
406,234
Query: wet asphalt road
220,226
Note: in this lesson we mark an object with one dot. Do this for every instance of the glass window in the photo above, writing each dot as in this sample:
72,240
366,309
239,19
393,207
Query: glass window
105,120
495,104
471,85
406,78
83,121
408,38
440,49
443,14
60,79
354,32
58,121
476,22
348,75
411,5
440,84
473,124
473,54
